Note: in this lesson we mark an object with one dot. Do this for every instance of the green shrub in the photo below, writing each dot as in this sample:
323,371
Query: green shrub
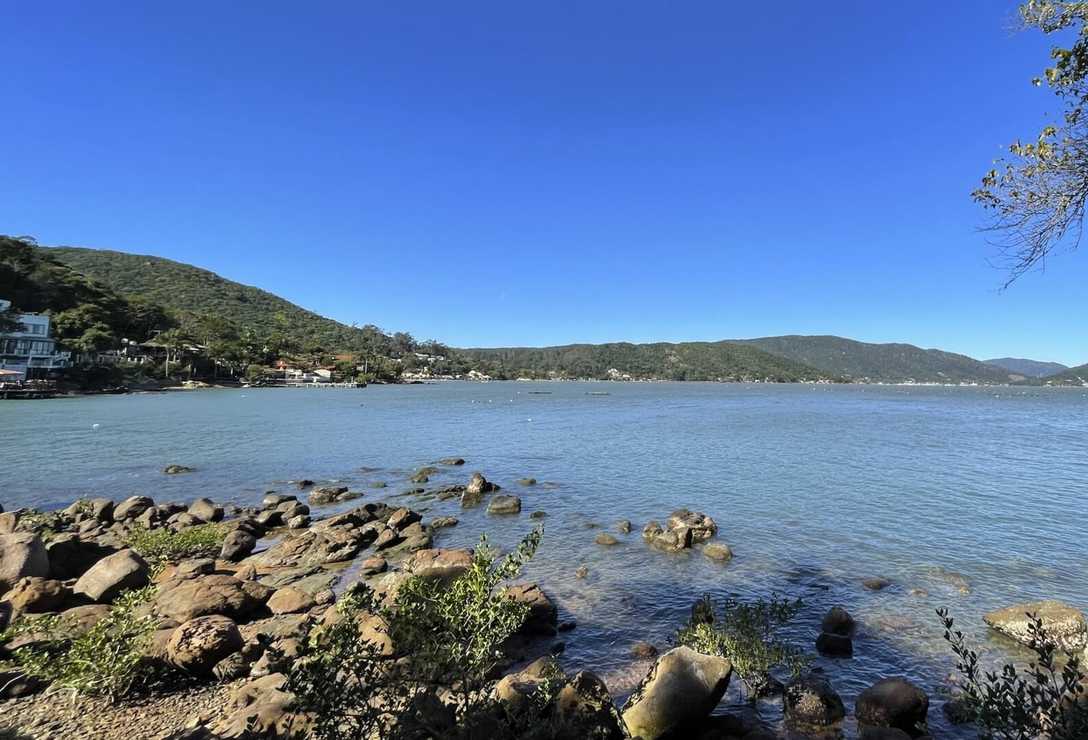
161,546
746,635
443,635
1047,698
106,660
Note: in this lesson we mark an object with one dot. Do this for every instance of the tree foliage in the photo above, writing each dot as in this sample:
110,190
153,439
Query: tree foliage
1037,195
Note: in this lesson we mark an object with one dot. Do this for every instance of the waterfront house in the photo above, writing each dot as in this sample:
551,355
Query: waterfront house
29,350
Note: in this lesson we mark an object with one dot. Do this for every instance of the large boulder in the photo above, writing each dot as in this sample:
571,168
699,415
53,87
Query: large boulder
811,702
517,690
504,505
318,546
113,574
131,508
475,490
21,555
680,690
212,594
261,708
893,702
702,526
34,595
290,600
669,540
1062,623
838,621
206,510
585,703
403,518
197,645
236,545
439,564
543,617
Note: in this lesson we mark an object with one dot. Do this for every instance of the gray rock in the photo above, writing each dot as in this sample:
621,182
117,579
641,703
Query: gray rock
680,690
273,499
176,469
835,646
624,527
111,575
298,522
811,702
71,556
442,522
1062,623
206,510
718,551
876,584
21,555
237,545
893,702
838,621
606,539
131,508
504,505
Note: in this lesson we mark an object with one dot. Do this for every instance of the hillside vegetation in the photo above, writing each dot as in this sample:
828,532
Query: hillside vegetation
1028,368
886,363
1076,376
683,361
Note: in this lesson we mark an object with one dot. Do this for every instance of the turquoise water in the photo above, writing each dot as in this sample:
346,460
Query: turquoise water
814,488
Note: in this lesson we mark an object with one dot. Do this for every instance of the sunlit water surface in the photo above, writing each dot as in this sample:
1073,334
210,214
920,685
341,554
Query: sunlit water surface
814,488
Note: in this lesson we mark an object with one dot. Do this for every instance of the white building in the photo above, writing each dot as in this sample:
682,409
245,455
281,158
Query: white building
30,351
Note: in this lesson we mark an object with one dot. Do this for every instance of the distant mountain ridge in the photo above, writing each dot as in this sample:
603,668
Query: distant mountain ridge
1076,376
1028,368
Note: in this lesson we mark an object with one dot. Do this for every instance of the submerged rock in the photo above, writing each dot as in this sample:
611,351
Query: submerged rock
718,551
876,584
504,505
176,469
1062,623
680,690
838,621
606,539
893,702
811,702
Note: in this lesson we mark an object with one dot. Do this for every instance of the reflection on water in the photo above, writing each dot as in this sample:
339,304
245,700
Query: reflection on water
965,498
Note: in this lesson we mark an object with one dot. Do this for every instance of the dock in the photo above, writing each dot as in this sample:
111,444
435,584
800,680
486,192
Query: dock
26,393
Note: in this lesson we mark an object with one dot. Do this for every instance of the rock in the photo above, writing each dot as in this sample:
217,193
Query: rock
959,710
326,494
444,565
543,615
9,520
718,551
671,540
212,594
702,526
303,484
876,584
176,469
624,527
197,645
811,702
262,710
526,482
291,509
1062,623
111,575
504,505
538,515
35,595
475,490
834,646
585,702
680,690
643,650
838,621
423,474
582,571
237,545
451,461
21,555
131,508
290,600
403,518
444,521
387,538
298,522
273,499
349,496
606,539
893,702
206,510
373,566
15,683
100,509
194,567
516,690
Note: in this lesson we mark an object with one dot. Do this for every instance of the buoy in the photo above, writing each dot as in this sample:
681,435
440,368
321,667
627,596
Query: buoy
94,426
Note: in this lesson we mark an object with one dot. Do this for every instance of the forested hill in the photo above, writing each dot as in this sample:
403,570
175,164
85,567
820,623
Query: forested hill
682,361
1028,368
887,363
185,289
1073,376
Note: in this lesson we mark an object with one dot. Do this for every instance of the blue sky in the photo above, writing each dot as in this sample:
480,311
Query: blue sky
541,173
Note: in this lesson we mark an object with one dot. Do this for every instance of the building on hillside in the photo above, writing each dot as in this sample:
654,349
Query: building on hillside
30,351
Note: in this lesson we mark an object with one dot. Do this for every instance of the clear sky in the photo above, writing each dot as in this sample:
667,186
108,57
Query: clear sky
494,173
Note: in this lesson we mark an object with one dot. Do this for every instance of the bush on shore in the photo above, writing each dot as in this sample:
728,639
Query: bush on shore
161,546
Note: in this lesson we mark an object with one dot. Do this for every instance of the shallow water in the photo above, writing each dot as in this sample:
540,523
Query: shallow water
814,488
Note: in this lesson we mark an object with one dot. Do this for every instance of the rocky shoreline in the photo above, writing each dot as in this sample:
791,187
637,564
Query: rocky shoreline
231,613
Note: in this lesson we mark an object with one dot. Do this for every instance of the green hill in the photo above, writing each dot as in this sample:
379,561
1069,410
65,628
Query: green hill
664,361
1028,368
1076,376
886,363
187,290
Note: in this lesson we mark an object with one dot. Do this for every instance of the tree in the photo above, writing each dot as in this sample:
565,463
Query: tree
1037,195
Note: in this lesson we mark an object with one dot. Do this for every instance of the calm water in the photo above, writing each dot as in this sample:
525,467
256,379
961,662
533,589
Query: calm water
814,488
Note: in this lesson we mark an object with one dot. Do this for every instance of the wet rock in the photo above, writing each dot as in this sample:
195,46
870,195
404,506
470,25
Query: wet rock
582,571
606,539
131,508
197,645
504,505
526,482
176,469
111,575
543,615
326,494
671,540
718,551
475,490
206,510
272,499
876,584
451,461
439,564
624,527
423,474
643,650
444,521
893,702
959,710
811,702
1062,623
388,538
680,690
838,621
538,515
303,484
35,595
373,566
835,646
237,545
21,555
702,526
291,509
403,518
290,600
